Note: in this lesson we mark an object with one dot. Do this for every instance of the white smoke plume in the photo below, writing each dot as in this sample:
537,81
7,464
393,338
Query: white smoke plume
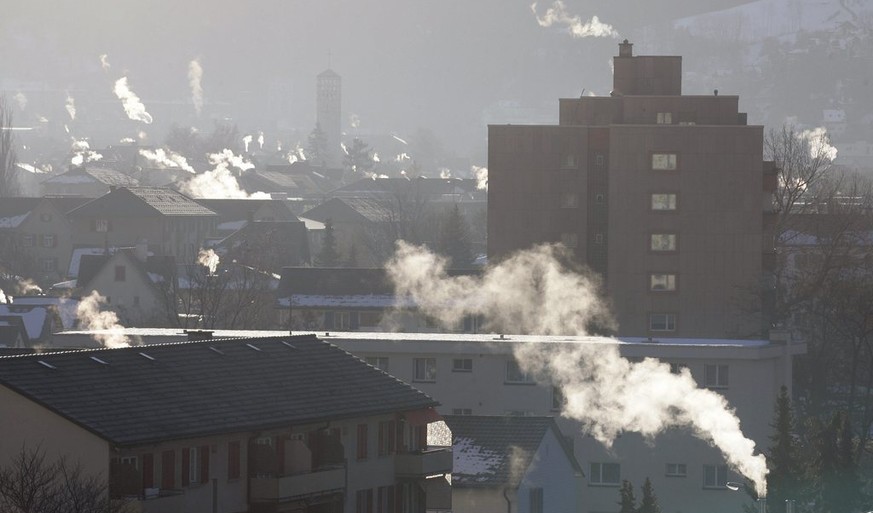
70,105
30,168
532,292
104,62
209,259
481,174
376,156
21,99
127,140
167,159
354,121
108,331
819,143
195,75
3,299
247,140
400,158
133,106
25,286
343,147
261,140
557,14
445,173
82,153
221,182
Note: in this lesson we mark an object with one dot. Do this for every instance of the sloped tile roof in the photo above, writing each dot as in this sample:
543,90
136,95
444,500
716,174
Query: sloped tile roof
494,451
141,202
146,394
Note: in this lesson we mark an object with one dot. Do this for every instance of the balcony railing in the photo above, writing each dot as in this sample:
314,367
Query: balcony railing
298,485
431,462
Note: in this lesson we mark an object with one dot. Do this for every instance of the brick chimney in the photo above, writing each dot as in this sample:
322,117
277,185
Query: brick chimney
625,49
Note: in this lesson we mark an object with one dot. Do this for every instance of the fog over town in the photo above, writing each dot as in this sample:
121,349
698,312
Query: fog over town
408,256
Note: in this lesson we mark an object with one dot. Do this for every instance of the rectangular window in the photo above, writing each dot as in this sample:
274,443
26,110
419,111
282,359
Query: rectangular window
598,238
27,241
424,369
536,500
568,161
605,474
599,160
101,225
569,200
514,374
676,470
233,460
462,365
364,501
385,497
662,322
664,201
120,273
659,282
380,362
665,118
663,242
715,376
599,199
462,411
558,399
677,368
571,240
664,161
370,319
387,437
48,241
49,264
361,448
714,476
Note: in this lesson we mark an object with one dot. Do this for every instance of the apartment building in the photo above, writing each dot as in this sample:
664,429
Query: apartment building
666,196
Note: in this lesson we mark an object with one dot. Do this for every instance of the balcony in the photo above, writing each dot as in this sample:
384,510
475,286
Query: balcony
298,485
431,462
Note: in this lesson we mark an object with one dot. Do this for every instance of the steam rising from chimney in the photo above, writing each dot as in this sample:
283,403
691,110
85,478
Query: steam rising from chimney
532,292
247,140
3,299
261,140
71,107
207,258
133,107
819,143
109,332
481,174
557,14
220,182
21,99
104,62
166,158
82,153
195,75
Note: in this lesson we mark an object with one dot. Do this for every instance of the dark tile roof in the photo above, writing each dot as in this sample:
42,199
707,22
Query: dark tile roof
288,241
11,207
240,209
352,210
345,281
64,204
426,187
103,175
141,202
193,389
486,449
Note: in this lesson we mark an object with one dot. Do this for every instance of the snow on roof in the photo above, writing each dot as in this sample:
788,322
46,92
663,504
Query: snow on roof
34,319
76,259
312,224
232,225
475,463
348,301
13,221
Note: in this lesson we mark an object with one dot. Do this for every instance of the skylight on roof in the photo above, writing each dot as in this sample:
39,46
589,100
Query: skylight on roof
98,360
216,350
46,364
289,345
256,348
147,356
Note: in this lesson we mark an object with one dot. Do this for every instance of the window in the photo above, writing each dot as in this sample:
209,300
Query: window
536,500
568,161
49,264
558,399
518,413
715,376
514,374
663,242
664,161
342,321
370,319
665,118
662,322
424,369
676,470
569,200
714,476
663,201
380,362
598,238
101,225
599,199
120,273
193,465
48,241
233,460
605,474
677,368
364,501
27,241
385,499
387,437
129,461
462,365
599,160
571,240
462,411
662,282
361,448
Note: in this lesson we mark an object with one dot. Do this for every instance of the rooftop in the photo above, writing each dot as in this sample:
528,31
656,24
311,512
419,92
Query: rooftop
141,202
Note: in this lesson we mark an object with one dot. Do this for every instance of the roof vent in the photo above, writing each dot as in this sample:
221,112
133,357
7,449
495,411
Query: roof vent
256,348
46,364
147,357
288,345
98,360
501,337
195,335
216,350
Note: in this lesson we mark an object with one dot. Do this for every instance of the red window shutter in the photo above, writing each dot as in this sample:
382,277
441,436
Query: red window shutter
204,463
186,466
233,460
168,470
148,470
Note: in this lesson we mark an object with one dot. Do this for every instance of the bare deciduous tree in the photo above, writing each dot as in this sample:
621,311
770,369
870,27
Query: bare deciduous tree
8,179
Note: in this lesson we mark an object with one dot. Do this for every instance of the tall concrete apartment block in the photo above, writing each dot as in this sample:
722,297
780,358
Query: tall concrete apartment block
665,196
329,112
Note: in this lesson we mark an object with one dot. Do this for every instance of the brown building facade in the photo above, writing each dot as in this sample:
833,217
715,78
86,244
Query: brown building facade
661,194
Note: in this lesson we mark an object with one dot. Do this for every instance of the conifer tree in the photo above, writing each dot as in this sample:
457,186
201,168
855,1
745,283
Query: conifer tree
328,256
454,239
783,481
628,502
649,502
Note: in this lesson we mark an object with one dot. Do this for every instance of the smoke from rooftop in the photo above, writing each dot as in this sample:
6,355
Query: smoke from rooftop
557,15
133,106
104,323
195,75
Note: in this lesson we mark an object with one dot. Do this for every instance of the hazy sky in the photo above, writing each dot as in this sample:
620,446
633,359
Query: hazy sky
406,64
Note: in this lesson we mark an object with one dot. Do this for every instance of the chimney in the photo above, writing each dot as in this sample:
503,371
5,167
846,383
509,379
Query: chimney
197,335
625,49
